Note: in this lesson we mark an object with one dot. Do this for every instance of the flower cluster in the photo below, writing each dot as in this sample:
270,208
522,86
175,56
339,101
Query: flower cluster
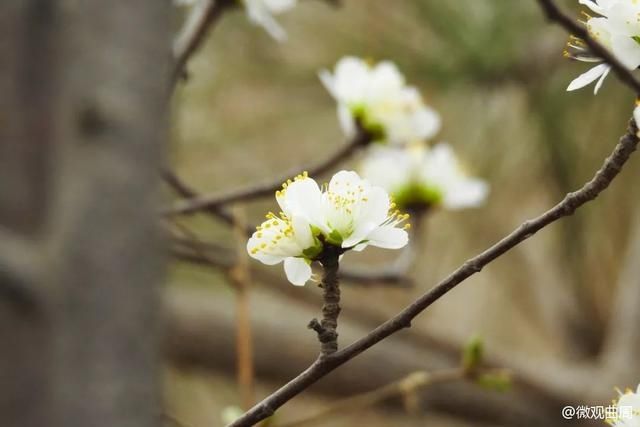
628,413
617,28
260,12
378,97
348,213
417,176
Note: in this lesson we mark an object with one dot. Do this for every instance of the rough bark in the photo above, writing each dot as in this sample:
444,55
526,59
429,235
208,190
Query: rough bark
83,96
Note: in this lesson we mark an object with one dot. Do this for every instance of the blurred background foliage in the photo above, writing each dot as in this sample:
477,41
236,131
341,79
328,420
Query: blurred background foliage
253,108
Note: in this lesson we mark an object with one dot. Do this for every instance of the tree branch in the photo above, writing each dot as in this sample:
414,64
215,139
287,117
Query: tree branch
327,328
200,327
554,13
572,201
207,202
406,386
184,190
200,21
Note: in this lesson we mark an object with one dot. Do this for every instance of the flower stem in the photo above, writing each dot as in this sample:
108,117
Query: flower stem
327,328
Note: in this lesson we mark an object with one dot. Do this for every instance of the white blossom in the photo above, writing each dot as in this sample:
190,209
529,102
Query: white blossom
348,212
379,97
259,12
628,410
421,176
617,29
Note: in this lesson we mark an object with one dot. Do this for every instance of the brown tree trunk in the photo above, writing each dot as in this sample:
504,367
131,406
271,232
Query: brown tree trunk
83,91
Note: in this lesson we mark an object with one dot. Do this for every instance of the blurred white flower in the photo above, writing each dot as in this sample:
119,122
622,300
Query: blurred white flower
259,12
348,213
417,176
617,29
379,97
636,117
230,414
628,410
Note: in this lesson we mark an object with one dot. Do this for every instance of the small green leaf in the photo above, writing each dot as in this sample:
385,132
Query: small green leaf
497,381
312,252
473,354
636,39
335,238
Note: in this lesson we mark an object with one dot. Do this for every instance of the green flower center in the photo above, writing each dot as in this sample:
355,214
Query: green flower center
417,195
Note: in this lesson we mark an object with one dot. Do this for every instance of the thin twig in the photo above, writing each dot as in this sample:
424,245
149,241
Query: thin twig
240,275
187,246
206,202
405,386
554,13
187,192
572,201
200,21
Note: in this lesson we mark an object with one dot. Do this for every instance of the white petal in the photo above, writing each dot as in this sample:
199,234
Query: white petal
466,194
259,14
592,5
301,197
347,122
636,116
345,181
302,232
298,271
265,258
376,208
627,50
389,167
359,248
385,79
328,82
586,78
388,237
349,81
427,122
279,6
600,81
359,234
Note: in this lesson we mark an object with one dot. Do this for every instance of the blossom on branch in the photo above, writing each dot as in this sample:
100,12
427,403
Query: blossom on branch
419,177
378,97
348,213
259,12
617,29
